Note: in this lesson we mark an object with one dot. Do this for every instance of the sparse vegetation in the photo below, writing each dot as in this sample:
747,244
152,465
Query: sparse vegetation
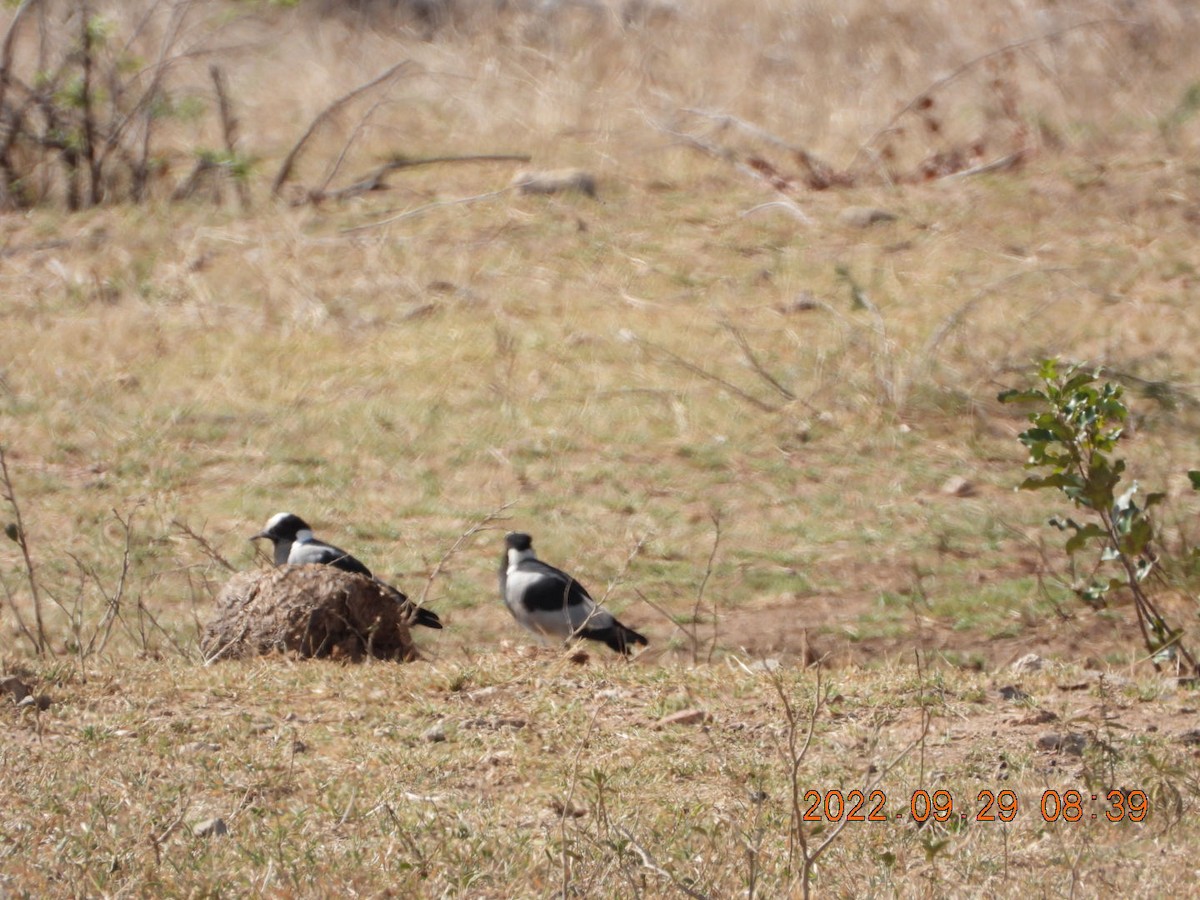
770,428
1075,431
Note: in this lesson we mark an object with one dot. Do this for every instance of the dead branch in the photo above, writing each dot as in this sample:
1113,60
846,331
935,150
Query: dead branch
420,210
289,161
820,173
955,318
477,527
755,363
707,375
758,170
938,83
16,532
374,180
209,550
229,126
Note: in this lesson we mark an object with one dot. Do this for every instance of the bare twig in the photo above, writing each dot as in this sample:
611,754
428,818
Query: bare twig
114,601
761,174
17,533
650,863
229,126
90,152
209,550
289,161
952,321
715,516
16,610
692,633
820,172
374,180
479,526
917,101
755,363
565,812
704,373
420,210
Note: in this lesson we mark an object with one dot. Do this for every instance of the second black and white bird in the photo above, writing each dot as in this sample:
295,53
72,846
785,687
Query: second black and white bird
548,601
295,545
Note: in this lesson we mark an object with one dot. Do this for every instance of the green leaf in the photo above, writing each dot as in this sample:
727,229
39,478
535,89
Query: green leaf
1016,396
13,532
1058,480
1082,535
1194,478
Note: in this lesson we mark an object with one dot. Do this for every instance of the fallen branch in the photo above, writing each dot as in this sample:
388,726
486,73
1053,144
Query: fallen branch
756,169
821,174
229,131
918,101
704,373
374,180
420,210
16,533
479,526
289,161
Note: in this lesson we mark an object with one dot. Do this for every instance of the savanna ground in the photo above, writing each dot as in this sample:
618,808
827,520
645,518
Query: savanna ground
768,436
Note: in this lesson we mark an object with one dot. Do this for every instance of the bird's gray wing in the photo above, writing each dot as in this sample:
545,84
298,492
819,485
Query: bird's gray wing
309,552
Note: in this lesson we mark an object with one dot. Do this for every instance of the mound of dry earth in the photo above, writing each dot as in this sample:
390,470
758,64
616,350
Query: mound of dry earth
310,611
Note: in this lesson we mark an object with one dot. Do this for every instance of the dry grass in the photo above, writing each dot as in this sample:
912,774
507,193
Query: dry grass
616,369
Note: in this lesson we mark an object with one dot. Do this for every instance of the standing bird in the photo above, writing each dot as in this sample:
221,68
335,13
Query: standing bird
295,546
548,601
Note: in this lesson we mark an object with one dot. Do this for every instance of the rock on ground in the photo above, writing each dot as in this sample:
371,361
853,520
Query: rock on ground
310,611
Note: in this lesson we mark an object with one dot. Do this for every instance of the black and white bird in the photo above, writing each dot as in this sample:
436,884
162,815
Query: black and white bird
295,546
548,601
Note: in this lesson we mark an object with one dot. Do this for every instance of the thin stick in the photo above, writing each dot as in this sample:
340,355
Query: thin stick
704,373
12,604
966,67
10,495
209,550
114,602
715,516
566,807
462,539
952,321
289,161
373,181
420,210
229,126
755,363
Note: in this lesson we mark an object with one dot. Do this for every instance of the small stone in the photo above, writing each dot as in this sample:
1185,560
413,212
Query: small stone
1190,738
210,828
1013,694
957,486
1037,717
567,810
1072,743
16,687
770,664
199,747
579,657
865,216
684,717
435,734
1030,662
555,181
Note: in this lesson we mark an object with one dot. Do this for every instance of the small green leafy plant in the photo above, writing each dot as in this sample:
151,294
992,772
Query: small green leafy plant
1075,430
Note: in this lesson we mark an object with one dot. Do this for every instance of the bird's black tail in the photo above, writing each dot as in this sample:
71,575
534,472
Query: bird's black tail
427,617
418,615
618,637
